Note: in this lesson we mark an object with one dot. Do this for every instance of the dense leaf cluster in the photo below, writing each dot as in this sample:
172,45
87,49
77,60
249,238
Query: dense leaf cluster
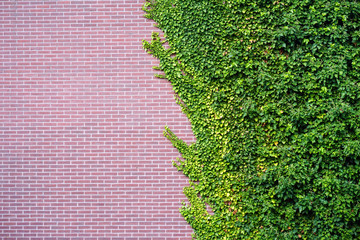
272,91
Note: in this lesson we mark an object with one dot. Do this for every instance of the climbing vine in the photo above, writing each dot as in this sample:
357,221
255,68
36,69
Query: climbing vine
272,91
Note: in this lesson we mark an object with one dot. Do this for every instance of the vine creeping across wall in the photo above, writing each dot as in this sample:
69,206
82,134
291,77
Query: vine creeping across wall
272,91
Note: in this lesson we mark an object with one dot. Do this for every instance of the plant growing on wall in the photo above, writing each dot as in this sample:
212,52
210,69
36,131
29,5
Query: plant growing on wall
272,91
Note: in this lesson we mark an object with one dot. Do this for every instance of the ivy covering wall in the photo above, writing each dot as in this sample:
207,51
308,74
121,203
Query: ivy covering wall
272,91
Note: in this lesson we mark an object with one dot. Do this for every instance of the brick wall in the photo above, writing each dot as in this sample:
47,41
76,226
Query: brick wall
82,155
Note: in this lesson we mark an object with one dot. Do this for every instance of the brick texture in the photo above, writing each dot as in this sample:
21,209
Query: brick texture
82,155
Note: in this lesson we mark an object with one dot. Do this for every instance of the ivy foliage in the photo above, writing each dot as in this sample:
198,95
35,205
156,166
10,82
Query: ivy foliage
272,91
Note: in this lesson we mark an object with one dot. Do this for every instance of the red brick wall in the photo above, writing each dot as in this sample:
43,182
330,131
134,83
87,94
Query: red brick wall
82,155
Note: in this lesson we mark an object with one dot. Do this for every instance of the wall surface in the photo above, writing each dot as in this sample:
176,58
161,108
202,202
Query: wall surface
82,155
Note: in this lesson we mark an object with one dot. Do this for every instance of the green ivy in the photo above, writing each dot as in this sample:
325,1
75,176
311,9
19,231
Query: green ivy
272,91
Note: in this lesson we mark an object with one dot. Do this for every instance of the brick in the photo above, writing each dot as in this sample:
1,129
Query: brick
82,152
